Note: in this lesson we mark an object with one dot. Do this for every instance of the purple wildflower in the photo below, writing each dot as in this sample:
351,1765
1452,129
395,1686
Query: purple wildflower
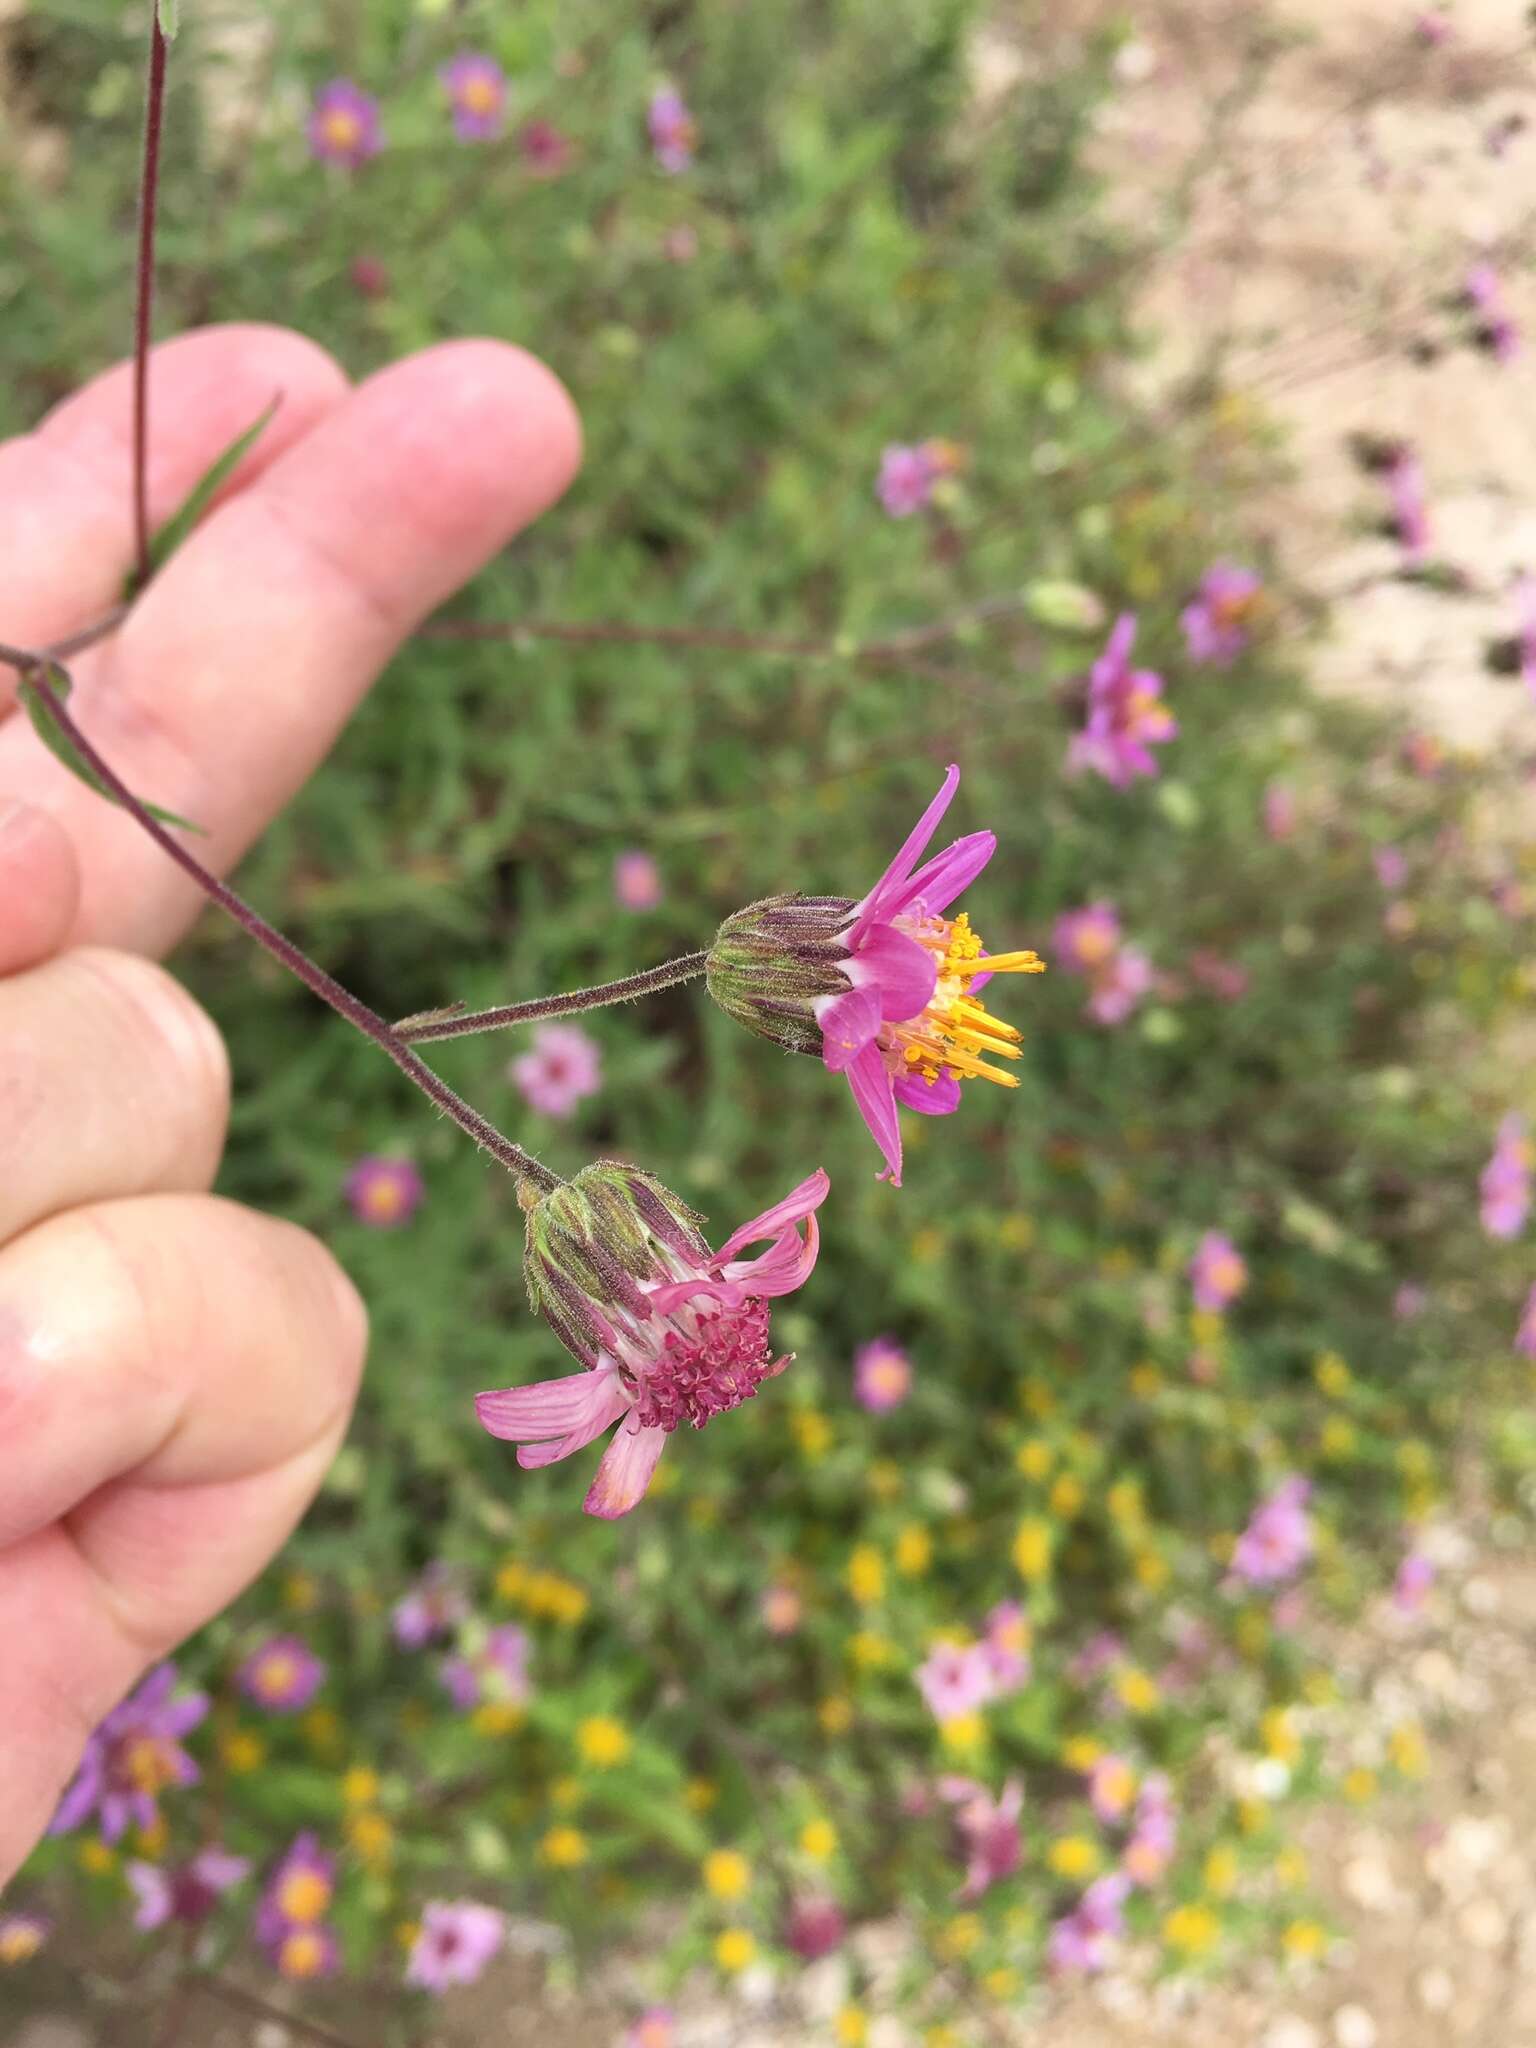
1410,514
1216,624
682,1349
1279,812
1278,1539
1126,714
544,149
1391,867
1217,1273
385,1193
655,2028
991,1842
1089,943
132,1757
1525,1334
344,125
1224,979
672,130
434,1605
1495,327
1154,1834
1085,1939
1415,1576
477,88
814,1928
1410,1300
283,1675
906,480
455,1943
1111,1787
1006,1646
956,1679
636,880
562,1067
496,1671
188,1893
290,1920
21,1936
1505,1183
882,1375
910,1027
1525,637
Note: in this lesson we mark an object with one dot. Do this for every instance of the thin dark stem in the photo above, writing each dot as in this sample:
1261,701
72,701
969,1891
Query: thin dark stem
144,301
259,2008
512,1156
428,1025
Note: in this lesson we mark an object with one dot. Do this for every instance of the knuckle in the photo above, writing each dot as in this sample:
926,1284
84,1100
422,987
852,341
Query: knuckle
165,1036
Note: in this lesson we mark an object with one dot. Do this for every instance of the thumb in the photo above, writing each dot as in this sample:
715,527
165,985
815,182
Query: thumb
39,886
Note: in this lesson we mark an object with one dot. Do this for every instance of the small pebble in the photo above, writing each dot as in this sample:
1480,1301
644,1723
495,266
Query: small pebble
1353,2027
1436,1989
1484,1923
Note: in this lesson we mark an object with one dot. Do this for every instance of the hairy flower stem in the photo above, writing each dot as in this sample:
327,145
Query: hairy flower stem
144,302
314,978
458,1023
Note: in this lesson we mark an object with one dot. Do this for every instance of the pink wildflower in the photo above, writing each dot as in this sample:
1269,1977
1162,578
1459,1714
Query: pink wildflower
1224,979
1111,1787
636,880
561,1069
1279,811
21,1936
814,1928
1410,1588
1432,26
132,1757
991,1842
1118,975
456,1941
1391,867
1216,624
385,1193
187,1894
1278,1539
1525,641
1217,1273
1525,1334
1126,714
1495,328
655,2028
434,1605
1505,1183
1099,1654
290,1924
283,1675
683,1345
882,1375
1154,1835
545,151
1085,1939
344,125
956,1679
1410,1300
906,480
496,1671
477,90
780,1608
672,130
1006,1647
911,1027
1410,515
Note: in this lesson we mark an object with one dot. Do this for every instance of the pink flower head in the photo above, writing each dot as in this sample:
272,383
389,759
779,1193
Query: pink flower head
435,1605
1217,1273
956,1679
1410,514
1424,753
385,1193
1496,330
1525,1334
1154,1835
283,1675
563,1066
497,1671
910,1027
906,480
1085,1939
1432,26
1410,1588
132,1757
187,1894
1391,867
1120,987
1006,1647
477,90
1505,1183
544,149
683,1345
1525,610
815,1927
655,2028
672,130
1089,943
636,880
1279,811
1278,1539
1111,1787
991,1843
1410,1300
882,1375
21,1936
344,125
1126,713
454,1945
1225,979
290,1922
1216,624
1101,1653
369,276
781,1609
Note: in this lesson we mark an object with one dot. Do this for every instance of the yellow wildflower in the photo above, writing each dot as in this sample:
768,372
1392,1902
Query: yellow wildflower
1221,1870
1032,1549
866,1574
835,1714
1074,1857
1067,1496
727,1873
1034,1458
818,1839
959,1937
563,1847
914,1550
241,1752
359,1786
734,1949
603,1741
851,2028
1191,1930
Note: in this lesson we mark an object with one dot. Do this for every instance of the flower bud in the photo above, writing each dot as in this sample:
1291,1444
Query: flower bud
594,1241
771,961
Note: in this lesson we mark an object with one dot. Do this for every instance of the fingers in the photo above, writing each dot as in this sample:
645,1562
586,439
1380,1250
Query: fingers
65,489
39,886
115,1083
232,677
189,1367
174,1342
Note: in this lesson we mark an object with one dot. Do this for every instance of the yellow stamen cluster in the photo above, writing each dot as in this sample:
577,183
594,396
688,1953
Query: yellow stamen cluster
956,1031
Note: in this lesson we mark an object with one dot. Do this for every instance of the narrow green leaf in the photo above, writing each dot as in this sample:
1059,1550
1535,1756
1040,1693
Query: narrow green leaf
167,11
164,543
63,748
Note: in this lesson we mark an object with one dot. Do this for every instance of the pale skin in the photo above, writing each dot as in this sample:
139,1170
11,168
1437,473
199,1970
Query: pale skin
177,1372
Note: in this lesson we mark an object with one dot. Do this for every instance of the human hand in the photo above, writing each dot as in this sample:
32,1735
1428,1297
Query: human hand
176,1372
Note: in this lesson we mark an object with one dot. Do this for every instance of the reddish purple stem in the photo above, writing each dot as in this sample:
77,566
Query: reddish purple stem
143,312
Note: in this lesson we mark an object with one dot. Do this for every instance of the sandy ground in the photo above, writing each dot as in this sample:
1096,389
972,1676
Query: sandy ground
1341,206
